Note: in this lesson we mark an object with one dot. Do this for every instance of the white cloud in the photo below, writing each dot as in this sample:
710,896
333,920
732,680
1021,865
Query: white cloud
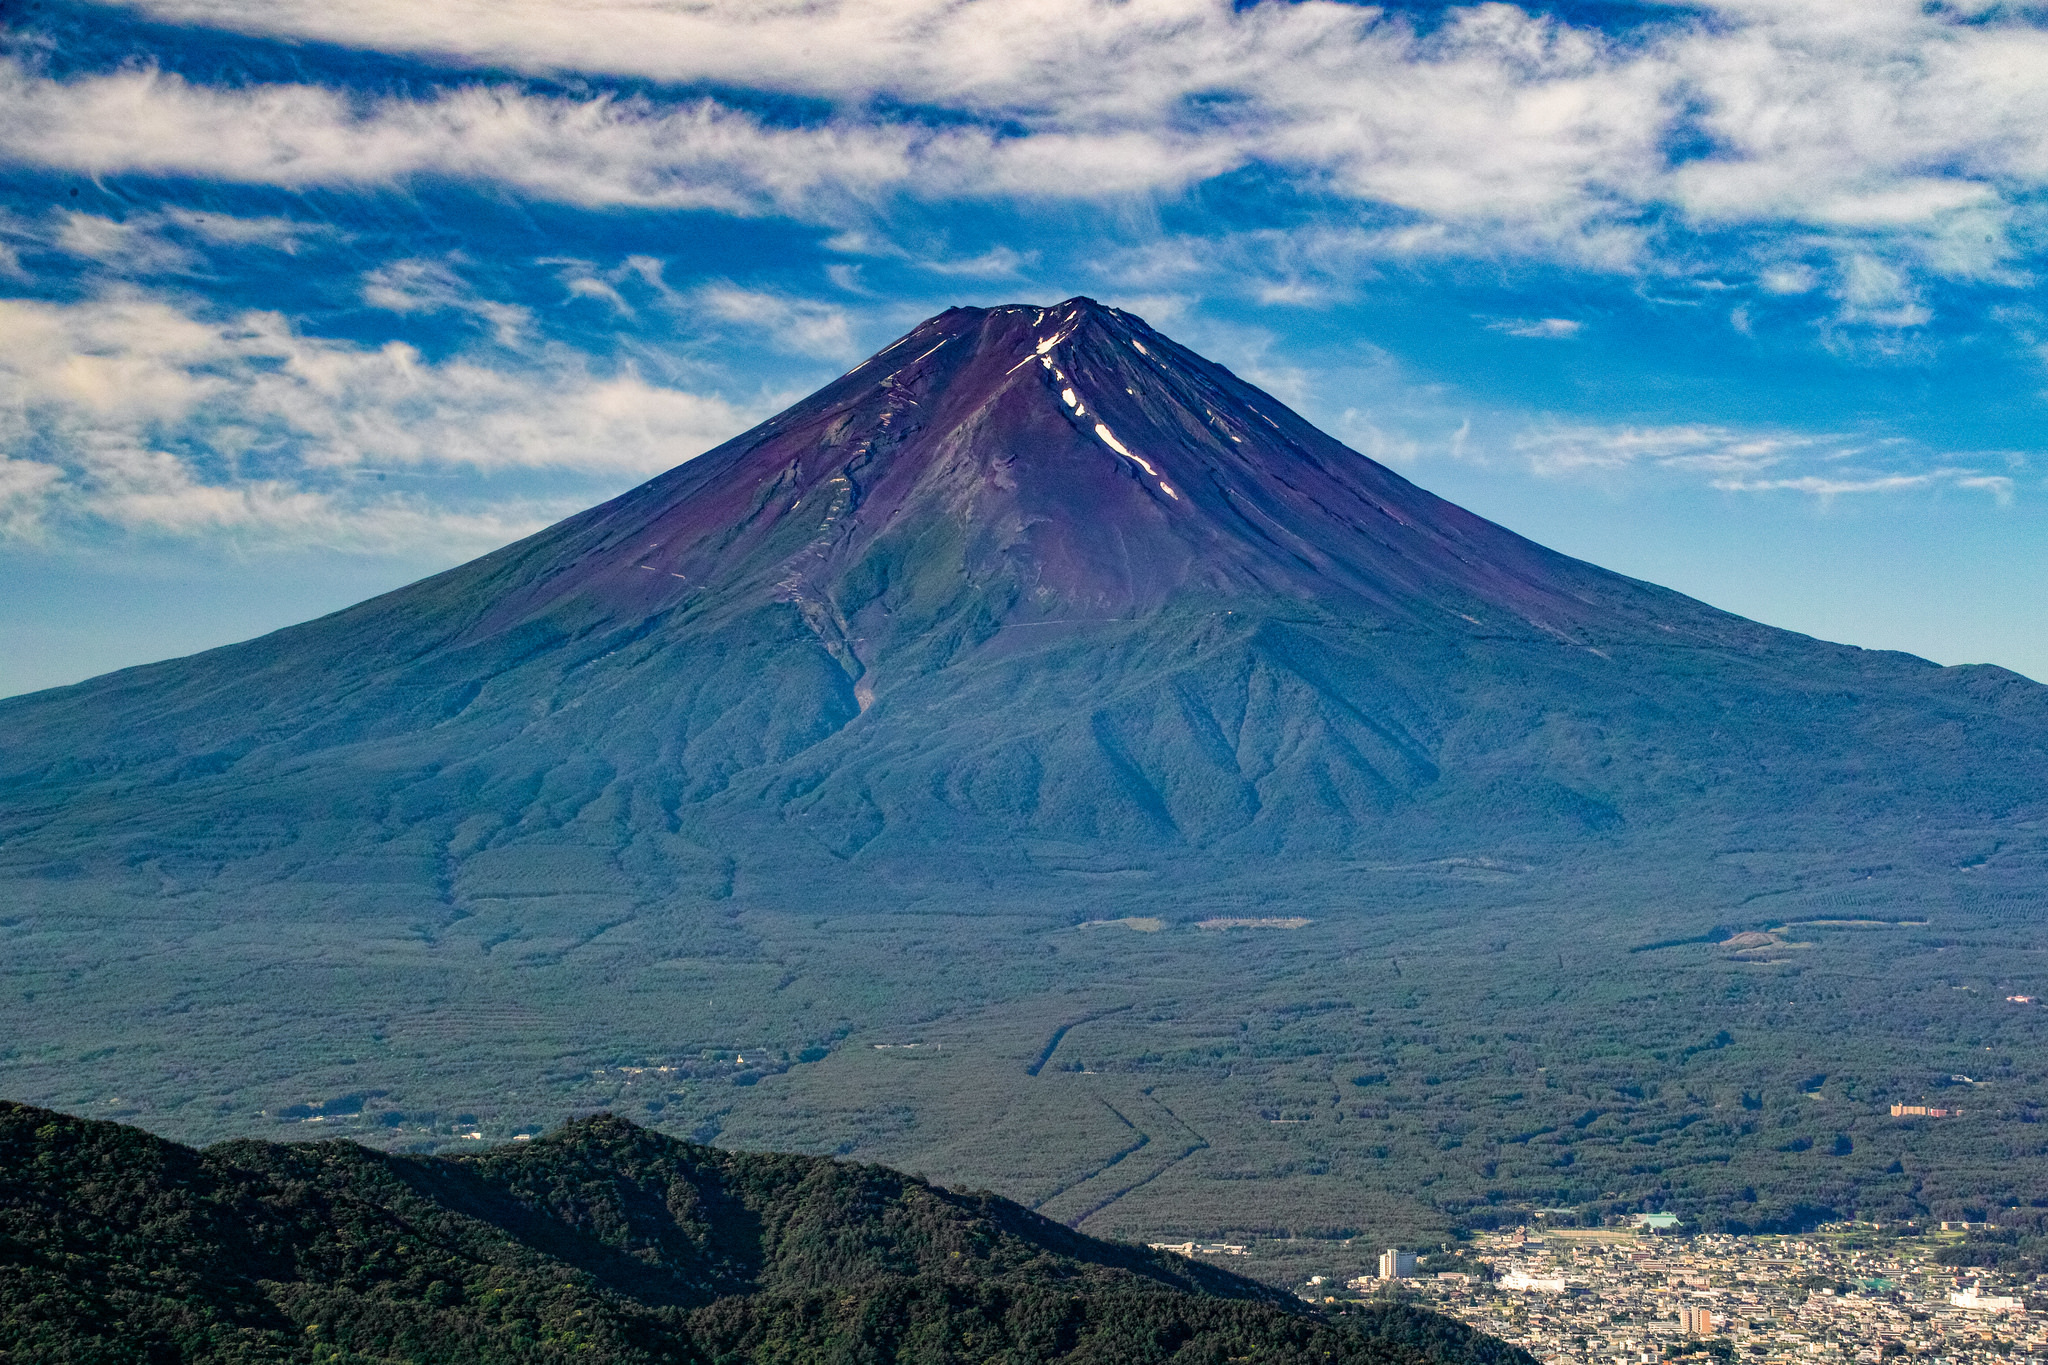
134,248
25,489
142,244
1734,460
131,411
997,263
1548,329
1887,114
1999,486
1497,131
800,326
1310,266
1825,488
585,280
601,151
1878,293
1557,450
145,489
226,229
1375,441
1795,278
429,286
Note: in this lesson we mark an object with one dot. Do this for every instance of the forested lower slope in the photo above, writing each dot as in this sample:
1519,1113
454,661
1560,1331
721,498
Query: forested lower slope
601,1242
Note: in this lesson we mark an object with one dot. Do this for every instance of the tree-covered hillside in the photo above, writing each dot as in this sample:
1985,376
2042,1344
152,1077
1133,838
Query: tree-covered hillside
601,1242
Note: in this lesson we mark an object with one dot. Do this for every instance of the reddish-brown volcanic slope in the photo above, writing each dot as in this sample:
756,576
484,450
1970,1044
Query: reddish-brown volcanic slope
1087,467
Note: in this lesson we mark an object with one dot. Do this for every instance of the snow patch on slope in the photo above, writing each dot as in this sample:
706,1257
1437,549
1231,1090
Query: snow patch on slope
1109,439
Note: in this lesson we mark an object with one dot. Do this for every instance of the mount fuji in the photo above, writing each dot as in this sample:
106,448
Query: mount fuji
1029,579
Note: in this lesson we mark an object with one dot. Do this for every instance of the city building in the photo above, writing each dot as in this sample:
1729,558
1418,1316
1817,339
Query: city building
1524,1282
1843,1294
1200,1248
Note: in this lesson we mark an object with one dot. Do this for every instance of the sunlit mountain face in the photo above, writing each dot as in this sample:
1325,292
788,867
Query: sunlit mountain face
304,303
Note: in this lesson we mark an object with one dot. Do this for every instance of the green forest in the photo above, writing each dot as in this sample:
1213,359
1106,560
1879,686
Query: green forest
599,1242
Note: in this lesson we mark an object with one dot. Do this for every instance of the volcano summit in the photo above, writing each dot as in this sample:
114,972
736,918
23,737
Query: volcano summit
1035,618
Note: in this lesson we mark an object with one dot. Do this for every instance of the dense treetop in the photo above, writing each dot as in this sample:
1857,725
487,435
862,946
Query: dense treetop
601,1242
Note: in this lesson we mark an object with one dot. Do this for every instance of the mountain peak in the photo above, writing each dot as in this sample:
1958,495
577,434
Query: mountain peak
1036,466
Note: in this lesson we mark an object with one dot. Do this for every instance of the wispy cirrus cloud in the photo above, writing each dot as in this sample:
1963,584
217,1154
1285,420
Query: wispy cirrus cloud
1697,447
1543,329
421,285
593,152
129,247
1747,461
775,320
288,235
1999,486
796,325
140,413
171,241
25,487
1886,131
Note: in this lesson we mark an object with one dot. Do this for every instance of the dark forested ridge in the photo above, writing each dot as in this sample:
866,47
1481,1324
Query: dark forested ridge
600,1242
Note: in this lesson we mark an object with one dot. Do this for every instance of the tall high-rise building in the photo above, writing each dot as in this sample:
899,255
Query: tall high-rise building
1396,1265
1696,1320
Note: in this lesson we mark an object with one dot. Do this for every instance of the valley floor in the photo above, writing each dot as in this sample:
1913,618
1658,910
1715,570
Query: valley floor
1390,1054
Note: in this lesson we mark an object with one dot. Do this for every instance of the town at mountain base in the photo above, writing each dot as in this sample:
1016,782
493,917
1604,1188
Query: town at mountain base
599,1242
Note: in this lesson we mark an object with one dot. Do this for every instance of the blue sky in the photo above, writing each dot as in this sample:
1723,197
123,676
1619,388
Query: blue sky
300,301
